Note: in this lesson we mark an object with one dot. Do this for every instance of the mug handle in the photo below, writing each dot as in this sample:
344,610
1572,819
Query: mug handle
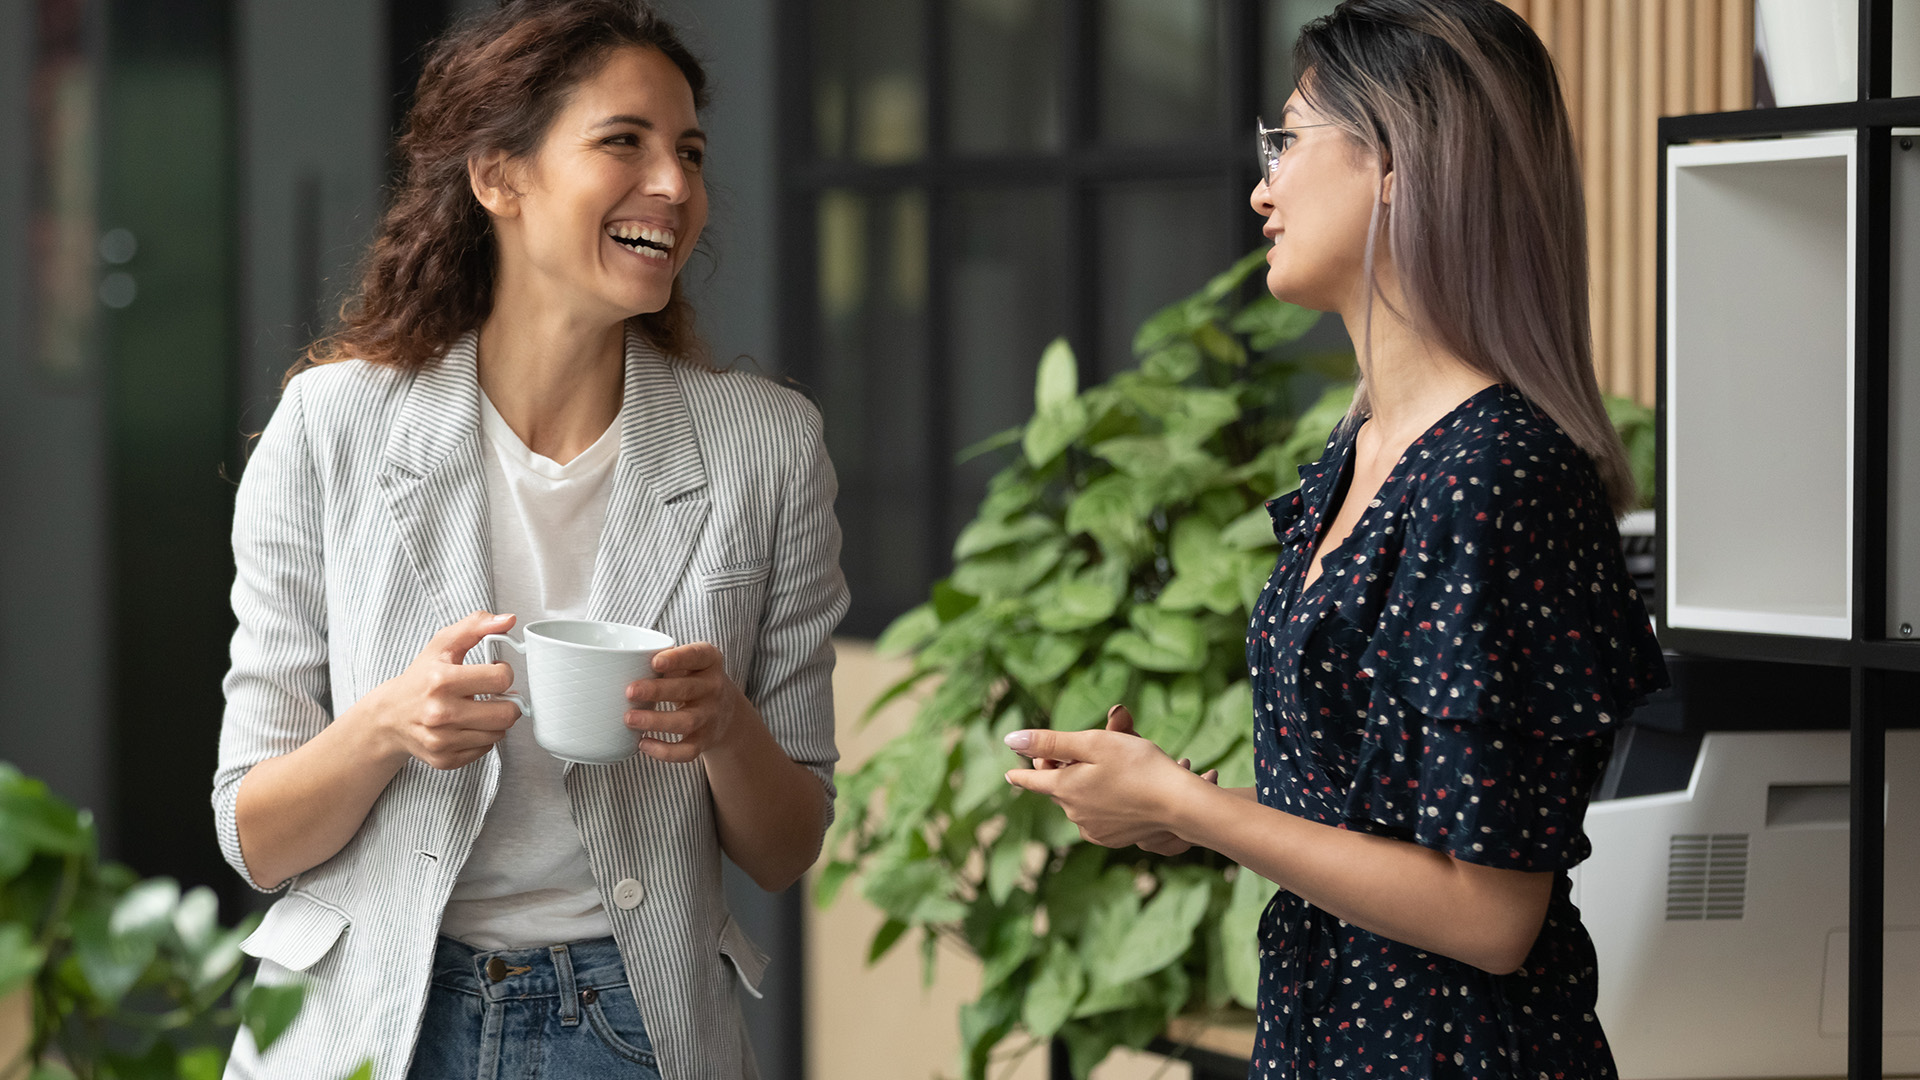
502,639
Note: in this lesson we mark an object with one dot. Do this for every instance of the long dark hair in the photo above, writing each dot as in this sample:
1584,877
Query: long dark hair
1487,228
495,83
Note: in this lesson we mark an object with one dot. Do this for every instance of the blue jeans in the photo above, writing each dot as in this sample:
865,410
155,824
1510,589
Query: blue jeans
517,1014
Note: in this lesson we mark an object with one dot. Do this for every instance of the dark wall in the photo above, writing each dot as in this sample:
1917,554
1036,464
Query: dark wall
56,656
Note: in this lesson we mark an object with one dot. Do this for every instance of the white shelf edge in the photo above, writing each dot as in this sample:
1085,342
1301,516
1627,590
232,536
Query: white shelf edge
1750,151
1688,617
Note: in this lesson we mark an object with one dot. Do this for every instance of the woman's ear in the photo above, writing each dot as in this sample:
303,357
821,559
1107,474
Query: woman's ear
487,176
1386,188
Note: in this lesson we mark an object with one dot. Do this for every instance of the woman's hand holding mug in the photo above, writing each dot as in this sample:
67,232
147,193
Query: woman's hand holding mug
428,711
707,705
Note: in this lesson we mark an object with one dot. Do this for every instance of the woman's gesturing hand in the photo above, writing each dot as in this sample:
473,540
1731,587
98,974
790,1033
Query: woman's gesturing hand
707,706
428,711
1117,787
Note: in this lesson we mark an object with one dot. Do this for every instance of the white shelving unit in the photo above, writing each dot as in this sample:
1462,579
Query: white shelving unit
1760,341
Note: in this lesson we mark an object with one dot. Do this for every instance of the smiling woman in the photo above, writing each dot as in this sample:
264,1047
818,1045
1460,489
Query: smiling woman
514,418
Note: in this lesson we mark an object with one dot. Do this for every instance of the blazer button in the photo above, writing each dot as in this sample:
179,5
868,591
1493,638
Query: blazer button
628,894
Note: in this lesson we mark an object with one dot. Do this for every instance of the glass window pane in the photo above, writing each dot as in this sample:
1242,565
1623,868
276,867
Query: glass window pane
873,388
1004,74
1158,243
1162,65
869,79
1008,301
1284,18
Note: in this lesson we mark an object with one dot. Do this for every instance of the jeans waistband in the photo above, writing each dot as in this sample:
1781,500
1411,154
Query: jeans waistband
542,971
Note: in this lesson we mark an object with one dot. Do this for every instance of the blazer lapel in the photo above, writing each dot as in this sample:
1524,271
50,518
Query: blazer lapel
431,474
657,510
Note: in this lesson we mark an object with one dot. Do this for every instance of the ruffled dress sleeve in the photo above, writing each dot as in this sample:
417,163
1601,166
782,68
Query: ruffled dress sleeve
1511,646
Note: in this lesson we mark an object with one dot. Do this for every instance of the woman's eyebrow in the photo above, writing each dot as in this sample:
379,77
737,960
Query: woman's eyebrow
643,122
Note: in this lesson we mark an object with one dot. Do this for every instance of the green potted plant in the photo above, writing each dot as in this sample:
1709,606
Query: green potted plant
124,978
1115,558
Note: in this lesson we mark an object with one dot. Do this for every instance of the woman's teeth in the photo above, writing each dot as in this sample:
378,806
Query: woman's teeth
648,241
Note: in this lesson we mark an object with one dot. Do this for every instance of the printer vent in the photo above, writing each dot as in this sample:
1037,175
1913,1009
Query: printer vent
1707,876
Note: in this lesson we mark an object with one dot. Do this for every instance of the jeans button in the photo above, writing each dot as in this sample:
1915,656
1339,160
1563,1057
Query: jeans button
496,969
589,996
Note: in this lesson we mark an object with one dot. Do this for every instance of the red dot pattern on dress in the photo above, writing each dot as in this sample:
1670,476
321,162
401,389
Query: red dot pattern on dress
1453,679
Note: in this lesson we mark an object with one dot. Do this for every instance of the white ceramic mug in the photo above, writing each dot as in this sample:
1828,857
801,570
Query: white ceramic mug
576,674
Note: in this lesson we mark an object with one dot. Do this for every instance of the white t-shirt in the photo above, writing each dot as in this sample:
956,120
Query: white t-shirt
527,882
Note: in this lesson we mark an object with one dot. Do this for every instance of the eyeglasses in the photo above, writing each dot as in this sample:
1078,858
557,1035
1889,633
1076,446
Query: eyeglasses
1269,150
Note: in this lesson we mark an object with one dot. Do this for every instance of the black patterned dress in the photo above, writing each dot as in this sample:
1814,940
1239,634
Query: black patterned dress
1452,679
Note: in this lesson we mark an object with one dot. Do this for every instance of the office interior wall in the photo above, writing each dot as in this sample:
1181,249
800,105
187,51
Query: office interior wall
313,135
53,538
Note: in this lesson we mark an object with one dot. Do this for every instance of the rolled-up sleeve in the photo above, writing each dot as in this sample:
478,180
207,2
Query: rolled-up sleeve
791,680
277,690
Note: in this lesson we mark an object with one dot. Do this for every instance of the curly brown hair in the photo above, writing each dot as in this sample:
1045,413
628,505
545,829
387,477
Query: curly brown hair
494,83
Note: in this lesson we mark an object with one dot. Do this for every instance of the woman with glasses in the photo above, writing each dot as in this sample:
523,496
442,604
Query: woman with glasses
515,423
1449,639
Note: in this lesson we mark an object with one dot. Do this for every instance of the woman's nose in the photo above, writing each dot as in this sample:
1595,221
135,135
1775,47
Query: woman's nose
665,176
1261,199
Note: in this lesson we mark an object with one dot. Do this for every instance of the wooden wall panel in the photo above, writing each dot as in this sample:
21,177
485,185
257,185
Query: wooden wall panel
1624,64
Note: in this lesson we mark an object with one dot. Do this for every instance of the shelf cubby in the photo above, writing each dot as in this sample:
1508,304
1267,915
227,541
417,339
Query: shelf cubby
1760,302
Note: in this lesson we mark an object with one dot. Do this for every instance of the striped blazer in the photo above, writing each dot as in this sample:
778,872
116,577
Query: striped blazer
361,530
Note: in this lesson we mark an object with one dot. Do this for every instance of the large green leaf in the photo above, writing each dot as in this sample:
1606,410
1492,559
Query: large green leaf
20,957
1057,381
1113,510
1038,659
205,1063
1083,884
884,939
1161,933
270,1010
1268,322
986,535
1082,600
196,919
1002,936
1237,767
918,766
1168,713
1239,926
111,963
1006,858
1229,720
1109,927
1090,692
914,890
985,761
1160,641
983,1023
33,820
1057,985
1008,571
908,632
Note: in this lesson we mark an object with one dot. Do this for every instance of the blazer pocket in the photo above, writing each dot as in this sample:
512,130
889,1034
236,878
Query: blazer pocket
748,961
736,576
297,932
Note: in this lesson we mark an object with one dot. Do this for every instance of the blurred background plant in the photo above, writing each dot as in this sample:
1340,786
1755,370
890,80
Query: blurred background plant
124,978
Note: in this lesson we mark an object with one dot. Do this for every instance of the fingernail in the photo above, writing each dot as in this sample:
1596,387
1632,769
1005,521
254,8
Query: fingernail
1112,711
1019,740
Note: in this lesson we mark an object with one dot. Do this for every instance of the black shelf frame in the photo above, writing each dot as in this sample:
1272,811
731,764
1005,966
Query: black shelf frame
1871,659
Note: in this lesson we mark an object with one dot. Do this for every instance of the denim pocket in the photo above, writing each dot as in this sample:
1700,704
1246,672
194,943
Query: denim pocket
616,1019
